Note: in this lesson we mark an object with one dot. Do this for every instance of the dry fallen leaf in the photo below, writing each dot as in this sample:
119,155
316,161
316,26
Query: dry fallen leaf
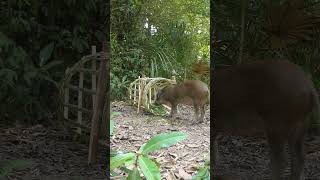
193,145
184,175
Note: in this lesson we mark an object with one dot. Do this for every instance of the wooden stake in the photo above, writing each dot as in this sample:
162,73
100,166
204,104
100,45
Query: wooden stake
99,104
94,76
105,121
66,101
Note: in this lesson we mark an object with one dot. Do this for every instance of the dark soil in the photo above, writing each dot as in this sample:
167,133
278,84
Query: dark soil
53,155
248,158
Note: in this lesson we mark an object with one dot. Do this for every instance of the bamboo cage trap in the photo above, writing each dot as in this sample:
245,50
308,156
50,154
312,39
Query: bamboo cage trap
143,91
77,98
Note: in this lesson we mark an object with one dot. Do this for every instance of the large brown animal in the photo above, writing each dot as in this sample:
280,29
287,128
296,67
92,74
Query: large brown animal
189,92
274,98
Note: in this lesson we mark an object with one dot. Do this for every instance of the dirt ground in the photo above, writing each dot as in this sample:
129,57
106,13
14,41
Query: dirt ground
54,155
180,160
240,157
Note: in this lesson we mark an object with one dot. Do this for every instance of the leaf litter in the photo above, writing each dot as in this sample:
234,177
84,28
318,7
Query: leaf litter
239,157
177,161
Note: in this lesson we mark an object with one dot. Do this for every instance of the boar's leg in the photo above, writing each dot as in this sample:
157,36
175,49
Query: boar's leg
202,113
297,153
276,144
196,111
173,110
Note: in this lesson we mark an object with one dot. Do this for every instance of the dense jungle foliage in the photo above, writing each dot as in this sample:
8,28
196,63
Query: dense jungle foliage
247,30
160,38
38,41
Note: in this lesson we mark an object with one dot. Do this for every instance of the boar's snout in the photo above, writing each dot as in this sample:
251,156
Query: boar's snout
159,98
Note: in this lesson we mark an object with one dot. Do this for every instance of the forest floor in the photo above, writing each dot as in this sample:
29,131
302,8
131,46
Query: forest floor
177,161
56,156
39,153
240,157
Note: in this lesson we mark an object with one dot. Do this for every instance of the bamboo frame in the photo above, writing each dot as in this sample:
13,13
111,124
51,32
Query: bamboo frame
87,65
146,93
79,120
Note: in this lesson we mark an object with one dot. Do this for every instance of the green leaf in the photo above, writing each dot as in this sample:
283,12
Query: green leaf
111,127
8,166
99,35
129,162
149,168
124,169
203,174
121,159
162,140
9,75
46,53
4,40
134,175
50,65
115,114
112,173
113,153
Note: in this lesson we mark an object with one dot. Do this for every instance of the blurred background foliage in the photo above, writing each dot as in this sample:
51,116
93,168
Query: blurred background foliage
38,41
159,38
271,29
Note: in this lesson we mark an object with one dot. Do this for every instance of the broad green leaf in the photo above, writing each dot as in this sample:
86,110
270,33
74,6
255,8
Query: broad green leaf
8,166
125,169
113,153
115,114
4,40
111,127
46,53
50,65
162,140
120,159
203,174
112,173
129,162
43,76
99,35
134,175
9,75
149,168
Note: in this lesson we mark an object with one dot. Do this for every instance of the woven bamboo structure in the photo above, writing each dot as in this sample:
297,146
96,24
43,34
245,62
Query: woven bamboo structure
143,91
78,91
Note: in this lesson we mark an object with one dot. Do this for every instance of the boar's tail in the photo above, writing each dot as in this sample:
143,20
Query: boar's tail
315,116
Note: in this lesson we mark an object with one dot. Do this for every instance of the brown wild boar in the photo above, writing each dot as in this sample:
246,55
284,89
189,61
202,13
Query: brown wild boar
191,92
272,98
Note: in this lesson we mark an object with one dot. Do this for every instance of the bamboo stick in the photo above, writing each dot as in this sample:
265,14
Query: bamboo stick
78,108
81,89
80,101
94,77
139,97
